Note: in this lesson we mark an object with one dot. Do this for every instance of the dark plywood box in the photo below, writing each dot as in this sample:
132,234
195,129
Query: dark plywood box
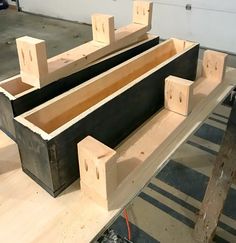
116,103
17,97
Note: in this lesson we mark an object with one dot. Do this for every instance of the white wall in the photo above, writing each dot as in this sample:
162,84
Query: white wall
11,2
211,22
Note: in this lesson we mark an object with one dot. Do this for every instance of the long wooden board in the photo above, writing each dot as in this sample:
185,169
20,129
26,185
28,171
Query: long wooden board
108,107
29,214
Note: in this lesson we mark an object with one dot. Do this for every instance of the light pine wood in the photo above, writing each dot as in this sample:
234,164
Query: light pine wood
38,71
33,60
103,27
213,65
178,95
98,170
142,12
37,217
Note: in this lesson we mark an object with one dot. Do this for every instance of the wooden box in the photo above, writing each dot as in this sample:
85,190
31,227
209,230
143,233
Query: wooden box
17,97
108,107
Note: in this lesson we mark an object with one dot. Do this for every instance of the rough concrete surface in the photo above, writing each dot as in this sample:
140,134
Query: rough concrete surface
59,36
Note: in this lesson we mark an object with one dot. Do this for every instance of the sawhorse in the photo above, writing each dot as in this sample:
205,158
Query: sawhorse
223,175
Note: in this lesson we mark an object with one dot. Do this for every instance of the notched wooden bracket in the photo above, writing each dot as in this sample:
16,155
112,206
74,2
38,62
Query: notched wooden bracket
103,28
213,65
98,170
33,60
39,71
178,95
142,12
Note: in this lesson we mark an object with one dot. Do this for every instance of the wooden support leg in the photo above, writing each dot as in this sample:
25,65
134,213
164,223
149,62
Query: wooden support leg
33,60
103,28
98,170
142,12
178,95
213,66
219,184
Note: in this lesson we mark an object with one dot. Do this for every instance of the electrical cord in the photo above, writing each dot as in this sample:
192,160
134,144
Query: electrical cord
127,223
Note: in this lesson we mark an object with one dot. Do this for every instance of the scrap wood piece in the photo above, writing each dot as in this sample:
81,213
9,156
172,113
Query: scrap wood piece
95,156
38,71
218,187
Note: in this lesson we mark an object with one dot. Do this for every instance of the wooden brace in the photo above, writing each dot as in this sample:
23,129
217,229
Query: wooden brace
142,12
33,60
98,163
178,95
179,92
98,170
103,28
213,65
39,71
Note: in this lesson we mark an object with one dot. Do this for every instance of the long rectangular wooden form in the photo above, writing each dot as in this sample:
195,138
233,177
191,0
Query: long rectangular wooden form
108,107
17,97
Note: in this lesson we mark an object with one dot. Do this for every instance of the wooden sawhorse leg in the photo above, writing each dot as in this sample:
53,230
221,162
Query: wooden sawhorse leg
222,177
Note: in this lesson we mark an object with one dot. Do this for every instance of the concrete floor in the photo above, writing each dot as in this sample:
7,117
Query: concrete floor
59,36
165,211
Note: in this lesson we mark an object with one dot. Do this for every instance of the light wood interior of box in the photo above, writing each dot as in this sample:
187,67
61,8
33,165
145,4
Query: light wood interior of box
64,109
15,86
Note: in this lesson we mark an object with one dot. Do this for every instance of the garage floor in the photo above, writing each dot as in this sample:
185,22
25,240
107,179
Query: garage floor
165,211
59,35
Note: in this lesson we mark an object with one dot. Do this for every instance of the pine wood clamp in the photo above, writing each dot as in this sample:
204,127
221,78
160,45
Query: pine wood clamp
38,71
108,107
73,217
105,174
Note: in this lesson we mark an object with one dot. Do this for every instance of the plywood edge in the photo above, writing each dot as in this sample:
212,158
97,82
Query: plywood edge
33,128
7,94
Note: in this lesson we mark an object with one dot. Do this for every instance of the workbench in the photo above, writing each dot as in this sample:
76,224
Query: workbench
30,214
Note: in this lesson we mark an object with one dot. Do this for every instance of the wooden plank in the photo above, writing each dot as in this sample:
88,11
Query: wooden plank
37,71
96,108
71,217
218,187
178,95
17,97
